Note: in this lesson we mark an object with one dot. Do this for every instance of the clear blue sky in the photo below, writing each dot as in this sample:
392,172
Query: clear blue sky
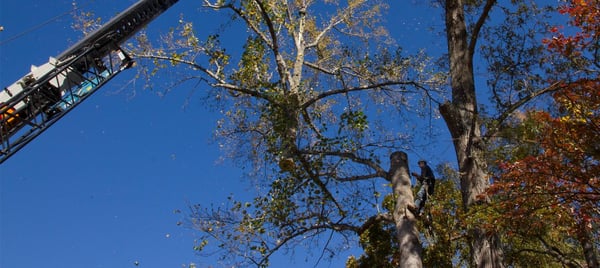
99,188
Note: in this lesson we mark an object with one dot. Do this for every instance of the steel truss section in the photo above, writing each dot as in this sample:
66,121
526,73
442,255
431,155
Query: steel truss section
44,101
40,98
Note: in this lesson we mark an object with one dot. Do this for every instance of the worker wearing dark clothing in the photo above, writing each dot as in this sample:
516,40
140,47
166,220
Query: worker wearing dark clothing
426,184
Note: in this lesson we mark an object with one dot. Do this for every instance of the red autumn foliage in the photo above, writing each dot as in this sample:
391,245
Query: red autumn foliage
559,187
585,17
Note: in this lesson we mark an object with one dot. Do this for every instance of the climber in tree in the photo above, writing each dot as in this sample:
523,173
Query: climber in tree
426,184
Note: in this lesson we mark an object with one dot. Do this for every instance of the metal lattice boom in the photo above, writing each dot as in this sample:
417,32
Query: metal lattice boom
43,96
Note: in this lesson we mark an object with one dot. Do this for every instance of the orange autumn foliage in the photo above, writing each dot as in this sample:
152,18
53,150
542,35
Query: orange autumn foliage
585,17
558,189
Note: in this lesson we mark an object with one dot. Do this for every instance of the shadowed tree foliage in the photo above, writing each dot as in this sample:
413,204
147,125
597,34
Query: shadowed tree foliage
547,191
507,38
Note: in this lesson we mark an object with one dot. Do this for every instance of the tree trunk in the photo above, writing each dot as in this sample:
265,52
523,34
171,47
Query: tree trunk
589,251
406,232
461,117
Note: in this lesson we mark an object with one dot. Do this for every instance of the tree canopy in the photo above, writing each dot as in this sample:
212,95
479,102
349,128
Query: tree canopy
316,95
308,103
549,195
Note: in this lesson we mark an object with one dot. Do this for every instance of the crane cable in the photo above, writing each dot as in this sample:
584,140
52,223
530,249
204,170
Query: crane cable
36,27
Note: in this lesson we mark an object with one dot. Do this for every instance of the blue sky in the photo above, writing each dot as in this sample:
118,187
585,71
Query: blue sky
100,187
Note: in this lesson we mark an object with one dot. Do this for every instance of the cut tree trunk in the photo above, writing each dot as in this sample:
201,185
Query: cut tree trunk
410,249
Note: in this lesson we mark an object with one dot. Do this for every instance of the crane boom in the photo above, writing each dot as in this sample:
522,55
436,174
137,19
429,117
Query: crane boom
43,96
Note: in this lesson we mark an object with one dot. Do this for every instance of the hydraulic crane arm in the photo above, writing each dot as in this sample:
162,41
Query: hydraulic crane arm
39,99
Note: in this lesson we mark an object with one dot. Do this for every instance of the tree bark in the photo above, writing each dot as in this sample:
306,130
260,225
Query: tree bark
406,232
589,251
462,119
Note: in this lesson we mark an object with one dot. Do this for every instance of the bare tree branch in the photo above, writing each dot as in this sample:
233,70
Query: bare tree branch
500,120
477,29
358,88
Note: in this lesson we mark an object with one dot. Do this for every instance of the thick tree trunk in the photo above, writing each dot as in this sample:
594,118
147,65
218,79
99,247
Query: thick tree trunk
461,117
589,251
407,235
